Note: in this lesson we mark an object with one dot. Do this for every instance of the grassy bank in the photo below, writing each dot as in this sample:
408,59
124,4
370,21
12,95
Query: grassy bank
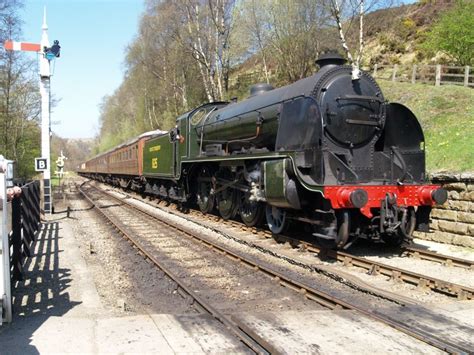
446,114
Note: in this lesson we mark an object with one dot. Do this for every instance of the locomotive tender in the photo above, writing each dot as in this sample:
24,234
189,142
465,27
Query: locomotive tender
326,150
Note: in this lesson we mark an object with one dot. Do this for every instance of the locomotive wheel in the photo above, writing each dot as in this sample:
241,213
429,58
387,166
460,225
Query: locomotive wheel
404,235
205,199
335,235
276,219
251,212
227,203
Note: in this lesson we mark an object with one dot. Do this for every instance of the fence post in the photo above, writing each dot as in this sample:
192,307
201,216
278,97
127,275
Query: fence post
466,75
413,74
26,211
36,204
374,74
438,75
394,73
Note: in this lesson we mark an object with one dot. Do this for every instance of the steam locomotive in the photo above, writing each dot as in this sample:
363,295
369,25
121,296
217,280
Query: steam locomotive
327,150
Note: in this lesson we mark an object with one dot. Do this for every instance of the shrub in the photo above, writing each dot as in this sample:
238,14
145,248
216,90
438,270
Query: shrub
453,35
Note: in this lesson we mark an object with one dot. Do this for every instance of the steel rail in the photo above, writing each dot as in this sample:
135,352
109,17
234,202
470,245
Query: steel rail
239,333
321,297
439,258
422,281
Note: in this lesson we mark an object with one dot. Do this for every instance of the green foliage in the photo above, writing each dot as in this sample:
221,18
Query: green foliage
19,98
454,34
29,148
449,130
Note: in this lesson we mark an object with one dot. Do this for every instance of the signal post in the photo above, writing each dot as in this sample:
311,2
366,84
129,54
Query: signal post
45,91
46,54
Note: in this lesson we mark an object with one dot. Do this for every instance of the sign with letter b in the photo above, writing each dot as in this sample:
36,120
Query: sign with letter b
41,164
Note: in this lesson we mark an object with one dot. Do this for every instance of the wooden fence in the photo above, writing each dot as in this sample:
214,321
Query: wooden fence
25,226
428,74
415,73
19,225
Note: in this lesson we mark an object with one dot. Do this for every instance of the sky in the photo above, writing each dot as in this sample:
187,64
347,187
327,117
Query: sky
93,35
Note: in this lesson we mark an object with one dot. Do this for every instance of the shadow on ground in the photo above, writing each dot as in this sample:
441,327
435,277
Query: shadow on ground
41,294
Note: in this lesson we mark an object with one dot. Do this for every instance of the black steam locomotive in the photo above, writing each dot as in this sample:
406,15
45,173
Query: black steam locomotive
327,150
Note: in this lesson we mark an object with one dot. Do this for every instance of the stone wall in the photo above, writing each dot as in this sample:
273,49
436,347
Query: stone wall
453,222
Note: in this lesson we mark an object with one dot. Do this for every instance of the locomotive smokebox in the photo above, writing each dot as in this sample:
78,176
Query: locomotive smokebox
331,59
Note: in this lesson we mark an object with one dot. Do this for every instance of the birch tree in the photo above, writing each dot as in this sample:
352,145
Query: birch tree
206,37
345,13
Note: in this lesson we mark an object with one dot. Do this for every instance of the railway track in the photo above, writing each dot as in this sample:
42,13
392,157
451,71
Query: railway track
182,288
421,281
322,298
439,258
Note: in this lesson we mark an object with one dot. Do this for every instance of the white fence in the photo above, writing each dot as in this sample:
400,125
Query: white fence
5,228
429,74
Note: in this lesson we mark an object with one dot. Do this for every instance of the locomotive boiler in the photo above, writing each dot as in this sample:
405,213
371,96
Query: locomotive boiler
326,150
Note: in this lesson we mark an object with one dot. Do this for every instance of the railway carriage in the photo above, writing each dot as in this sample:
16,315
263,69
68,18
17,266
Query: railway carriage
327,150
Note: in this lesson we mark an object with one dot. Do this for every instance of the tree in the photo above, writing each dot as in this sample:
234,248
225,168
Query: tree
347,12
19,98
453,35
207,25
250,35
288,33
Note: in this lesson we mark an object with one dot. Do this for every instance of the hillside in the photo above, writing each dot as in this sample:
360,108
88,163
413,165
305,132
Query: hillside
446,114
395,35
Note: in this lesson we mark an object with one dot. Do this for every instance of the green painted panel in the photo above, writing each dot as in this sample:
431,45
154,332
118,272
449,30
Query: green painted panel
275,180
183,144
159,156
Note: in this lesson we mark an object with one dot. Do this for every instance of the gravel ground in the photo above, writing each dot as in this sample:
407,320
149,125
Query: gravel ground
126,282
